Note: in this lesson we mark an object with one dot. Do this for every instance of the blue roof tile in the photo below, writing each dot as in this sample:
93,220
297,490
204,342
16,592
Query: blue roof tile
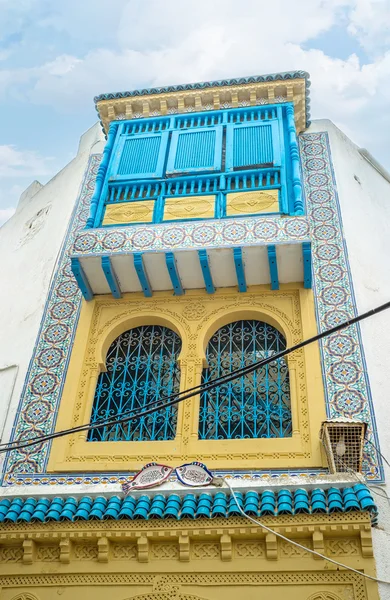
357,498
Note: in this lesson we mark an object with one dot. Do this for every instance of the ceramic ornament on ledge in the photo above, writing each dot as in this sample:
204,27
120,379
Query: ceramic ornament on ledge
151,475
196,474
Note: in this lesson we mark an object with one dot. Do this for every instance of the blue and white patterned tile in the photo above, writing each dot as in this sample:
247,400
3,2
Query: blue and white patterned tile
346,381
213,234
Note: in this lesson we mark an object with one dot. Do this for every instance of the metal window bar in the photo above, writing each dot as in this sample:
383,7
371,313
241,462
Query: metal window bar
256,405
141,368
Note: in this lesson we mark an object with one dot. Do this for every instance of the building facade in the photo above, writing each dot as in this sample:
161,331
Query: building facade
200,229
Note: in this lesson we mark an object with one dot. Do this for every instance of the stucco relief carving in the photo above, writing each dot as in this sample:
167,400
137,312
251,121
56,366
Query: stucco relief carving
324,596
25,597
173,586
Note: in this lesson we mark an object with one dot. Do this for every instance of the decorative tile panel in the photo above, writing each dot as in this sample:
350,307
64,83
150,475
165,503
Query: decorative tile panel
345,375
213,234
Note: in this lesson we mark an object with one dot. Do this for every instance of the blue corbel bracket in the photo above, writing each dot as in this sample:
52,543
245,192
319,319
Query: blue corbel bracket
81,279
174,274
239,264
273,267
307,271
205,266
142,275
111,277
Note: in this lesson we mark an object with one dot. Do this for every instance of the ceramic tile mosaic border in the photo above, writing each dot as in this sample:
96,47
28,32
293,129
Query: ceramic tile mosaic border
213,234
345,377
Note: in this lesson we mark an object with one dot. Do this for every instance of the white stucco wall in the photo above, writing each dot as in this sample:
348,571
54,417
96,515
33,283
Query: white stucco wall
29,246
365,206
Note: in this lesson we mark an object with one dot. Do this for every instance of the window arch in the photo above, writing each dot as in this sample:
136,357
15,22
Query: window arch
256,405
141,368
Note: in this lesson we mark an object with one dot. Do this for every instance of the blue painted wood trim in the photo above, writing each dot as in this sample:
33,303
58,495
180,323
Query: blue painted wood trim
81,278
239,264
273,267
157,173
170,167
294,154
104,194
284,189
174,274
307,272
111,277
101,174
204,265
142,274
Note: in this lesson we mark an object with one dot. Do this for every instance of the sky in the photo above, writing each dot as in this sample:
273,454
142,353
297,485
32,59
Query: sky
56,56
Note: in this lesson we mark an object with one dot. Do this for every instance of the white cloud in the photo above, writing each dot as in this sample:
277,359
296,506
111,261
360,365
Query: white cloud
5,214
154,43
370,23
157,44
22,163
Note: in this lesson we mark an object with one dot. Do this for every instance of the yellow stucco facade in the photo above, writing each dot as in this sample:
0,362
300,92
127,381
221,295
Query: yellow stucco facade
195,317
201,559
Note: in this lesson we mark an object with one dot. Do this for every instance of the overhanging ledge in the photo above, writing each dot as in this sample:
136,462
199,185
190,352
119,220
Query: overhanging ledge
181,270
200,255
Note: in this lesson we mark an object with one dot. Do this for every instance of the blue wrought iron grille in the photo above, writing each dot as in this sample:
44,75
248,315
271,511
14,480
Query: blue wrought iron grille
141,368
256,405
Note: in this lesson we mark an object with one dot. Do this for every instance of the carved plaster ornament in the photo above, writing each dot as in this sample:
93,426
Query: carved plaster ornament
196,474
151,475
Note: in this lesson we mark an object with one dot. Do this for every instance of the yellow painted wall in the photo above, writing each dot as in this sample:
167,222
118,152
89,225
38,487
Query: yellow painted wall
195,317
129,212
252,203
192,207
191,559
189,207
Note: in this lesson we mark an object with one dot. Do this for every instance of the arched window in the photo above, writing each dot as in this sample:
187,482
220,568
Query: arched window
141,369
256,405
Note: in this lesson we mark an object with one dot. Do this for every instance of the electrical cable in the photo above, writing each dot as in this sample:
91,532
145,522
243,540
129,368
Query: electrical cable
294,543
181,396
360,477
379,452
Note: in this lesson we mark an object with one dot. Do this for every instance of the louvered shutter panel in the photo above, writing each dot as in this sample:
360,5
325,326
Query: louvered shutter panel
140,156
252,145
195,150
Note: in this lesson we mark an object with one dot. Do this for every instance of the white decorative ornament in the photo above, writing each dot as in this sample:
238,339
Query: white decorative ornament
194,474
151,475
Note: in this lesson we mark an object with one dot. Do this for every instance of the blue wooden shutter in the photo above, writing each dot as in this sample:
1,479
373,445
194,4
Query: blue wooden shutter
252,144
140,156
195,150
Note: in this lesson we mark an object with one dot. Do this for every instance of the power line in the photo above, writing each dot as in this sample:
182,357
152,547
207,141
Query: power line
379,452
186,394
294,543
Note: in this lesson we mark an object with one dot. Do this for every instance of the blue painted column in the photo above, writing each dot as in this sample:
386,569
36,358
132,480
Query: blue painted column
294,153
101,174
